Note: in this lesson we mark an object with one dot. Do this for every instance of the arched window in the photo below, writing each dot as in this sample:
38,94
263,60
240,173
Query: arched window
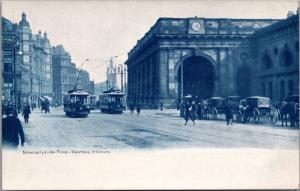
290,87
286,58
267,62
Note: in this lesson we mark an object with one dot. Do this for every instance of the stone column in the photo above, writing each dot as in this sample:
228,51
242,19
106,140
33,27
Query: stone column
163,73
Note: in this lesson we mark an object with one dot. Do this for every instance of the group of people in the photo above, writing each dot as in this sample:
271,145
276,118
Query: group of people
133,106
192,110
45,106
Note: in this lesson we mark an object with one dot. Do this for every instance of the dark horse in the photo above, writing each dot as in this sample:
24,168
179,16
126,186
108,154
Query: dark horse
291,110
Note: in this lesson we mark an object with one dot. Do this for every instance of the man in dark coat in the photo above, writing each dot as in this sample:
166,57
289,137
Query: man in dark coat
11,130
26,112
189,112
228,112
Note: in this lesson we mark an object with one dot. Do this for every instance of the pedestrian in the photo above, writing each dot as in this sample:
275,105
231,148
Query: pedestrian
131,107
188,113
26,112
228,113
138,109
11,130
161,106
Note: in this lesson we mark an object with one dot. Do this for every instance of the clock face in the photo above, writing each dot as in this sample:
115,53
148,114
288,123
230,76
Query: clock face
196,26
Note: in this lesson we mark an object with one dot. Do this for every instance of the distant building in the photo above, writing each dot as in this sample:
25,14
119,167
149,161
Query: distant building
92,87
209,57
84,80
100,88
111,76
11,64
64,73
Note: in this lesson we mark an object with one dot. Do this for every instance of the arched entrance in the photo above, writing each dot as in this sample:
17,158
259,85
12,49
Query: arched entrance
243,82
198,77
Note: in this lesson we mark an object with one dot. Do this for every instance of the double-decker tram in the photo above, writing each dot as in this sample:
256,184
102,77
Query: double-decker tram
77,103
112,101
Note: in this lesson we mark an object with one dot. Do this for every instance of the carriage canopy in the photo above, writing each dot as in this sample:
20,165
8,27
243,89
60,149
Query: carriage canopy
257,101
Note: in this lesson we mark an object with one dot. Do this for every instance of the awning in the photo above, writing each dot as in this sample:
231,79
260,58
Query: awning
43,98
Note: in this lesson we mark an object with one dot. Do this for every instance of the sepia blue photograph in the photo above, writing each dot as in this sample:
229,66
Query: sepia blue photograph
150,94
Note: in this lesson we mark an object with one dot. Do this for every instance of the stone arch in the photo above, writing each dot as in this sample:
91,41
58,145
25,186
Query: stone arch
201,77
266,61
198,54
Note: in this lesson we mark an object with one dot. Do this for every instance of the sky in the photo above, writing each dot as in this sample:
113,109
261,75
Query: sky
100,29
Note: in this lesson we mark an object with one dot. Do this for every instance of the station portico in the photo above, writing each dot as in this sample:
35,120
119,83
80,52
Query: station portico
197,56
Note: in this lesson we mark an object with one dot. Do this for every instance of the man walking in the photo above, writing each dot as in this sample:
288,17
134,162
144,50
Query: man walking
188,113
26,112
11,130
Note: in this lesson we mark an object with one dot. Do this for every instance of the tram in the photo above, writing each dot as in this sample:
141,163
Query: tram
112,101
76,103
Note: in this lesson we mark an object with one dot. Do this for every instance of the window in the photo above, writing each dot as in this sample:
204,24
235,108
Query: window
286,58
25,36
281,93
25,47
26,59
267,62
7,67
290,87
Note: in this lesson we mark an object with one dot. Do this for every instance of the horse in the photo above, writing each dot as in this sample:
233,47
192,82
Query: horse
291,110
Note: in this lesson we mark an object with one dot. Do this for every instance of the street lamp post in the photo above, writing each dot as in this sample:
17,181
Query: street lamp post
16,52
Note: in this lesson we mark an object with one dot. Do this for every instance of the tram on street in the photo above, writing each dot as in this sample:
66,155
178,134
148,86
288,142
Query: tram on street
112,101
76,103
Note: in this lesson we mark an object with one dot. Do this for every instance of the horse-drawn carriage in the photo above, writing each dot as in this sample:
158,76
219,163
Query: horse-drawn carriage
235,104
216,106
257,108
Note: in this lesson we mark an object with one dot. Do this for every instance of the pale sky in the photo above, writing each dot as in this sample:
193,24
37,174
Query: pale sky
100,29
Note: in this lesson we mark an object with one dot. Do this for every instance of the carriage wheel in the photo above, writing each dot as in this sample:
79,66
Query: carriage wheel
214,113
256,116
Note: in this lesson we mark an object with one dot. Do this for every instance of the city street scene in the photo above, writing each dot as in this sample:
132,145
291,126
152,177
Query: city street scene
107,77
151,129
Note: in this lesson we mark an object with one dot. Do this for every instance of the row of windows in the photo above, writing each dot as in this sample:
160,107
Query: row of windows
286,59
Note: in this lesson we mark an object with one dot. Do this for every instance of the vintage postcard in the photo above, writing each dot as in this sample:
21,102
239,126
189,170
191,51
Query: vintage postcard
168,94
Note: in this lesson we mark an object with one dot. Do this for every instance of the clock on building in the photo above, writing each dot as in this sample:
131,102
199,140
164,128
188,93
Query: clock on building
196,26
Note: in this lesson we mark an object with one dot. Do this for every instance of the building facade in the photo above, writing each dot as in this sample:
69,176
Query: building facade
64,73
36,64
200,56
11,64
276,54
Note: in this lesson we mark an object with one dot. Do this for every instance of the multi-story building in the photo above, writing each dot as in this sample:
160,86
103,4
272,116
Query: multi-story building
36,64
84,80
11,67
64,73
25,35
209,57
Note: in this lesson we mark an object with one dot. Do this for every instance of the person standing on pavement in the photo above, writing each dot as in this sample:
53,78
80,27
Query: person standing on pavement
228,112
26,112
161,106
11,130
138,108
188,113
